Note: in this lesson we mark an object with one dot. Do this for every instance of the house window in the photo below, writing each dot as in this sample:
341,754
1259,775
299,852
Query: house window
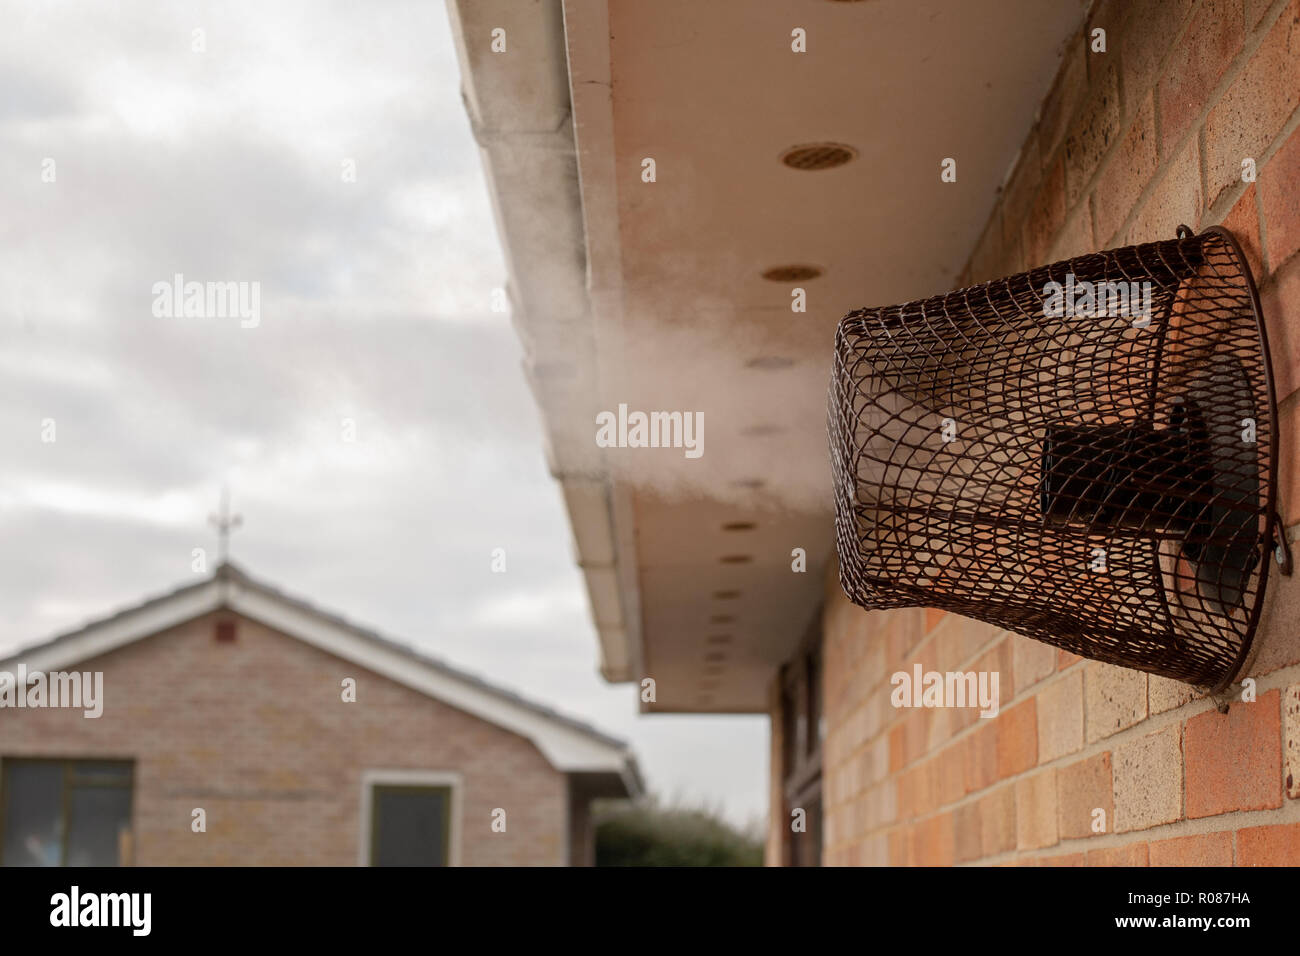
409,819
65,812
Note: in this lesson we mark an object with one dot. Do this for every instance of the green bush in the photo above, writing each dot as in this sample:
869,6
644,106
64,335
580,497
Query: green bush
648,834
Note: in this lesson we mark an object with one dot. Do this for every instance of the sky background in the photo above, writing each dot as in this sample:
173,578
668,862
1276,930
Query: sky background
375,301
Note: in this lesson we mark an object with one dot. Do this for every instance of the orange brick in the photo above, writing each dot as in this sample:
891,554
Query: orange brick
897,747
1066,659
1279,194
949,775
981,757
1234,760
997,817
1148,776
1060,717
1116,699
1277,845
1243,222
1017,738
932,618
966,833
1126,174
1291,740
1036,811
1063,859
1130,854
1204,849
1032,661
1257,105
935,841
1085,786
1195,66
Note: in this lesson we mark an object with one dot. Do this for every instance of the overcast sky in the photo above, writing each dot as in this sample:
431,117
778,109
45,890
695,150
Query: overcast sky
226,164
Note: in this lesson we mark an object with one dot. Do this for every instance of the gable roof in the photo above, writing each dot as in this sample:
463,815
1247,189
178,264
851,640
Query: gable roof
570,745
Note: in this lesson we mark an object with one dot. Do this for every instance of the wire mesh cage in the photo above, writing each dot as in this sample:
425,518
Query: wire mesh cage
1084,453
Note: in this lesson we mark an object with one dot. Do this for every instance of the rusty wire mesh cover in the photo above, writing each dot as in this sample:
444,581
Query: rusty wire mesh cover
1080,472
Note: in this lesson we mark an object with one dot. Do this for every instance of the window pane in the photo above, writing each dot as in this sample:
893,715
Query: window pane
33,792
98,816
409,826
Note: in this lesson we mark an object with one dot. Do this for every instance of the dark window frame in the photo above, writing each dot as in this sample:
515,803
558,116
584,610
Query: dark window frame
66,786
448,795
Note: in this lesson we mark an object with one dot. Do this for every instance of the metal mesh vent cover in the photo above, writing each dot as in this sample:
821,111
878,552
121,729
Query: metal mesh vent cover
1098,473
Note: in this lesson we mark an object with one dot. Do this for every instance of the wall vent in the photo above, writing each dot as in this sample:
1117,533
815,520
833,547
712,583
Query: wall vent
1085,454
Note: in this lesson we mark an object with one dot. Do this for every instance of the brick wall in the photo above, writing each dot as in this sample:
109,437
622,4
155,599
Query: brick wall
1128,144
255,732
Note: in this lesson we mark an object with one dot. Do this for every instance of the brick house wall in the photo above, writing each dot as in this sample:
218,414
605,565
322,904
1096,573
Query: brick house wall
1128,144
256,733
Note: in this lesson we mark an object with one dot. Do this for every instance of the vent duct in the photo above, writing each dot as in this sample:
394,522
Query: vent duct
1085,454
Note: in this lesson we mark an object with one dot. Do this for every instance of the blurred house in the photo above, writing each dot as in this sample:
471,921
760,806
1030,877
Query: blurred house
673,180
241,726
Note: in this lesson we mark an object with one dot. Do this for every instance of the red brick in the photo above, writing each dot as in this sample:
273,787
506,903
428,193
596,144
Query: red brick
1257,105
1046,215
1063,99
1280,301
1130,854
1019,192
1083,787
1277,845
1139,55
1194,68
1017,739
1255,9
932,618
1204,849
1234,760
1094,130
1127,174
1176,199
1279,193
1289,475
1075,238
1066,659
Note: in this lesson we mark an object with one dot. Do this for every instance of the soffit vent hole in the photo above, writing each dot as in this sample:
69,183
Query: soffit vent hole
792,273
813,156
